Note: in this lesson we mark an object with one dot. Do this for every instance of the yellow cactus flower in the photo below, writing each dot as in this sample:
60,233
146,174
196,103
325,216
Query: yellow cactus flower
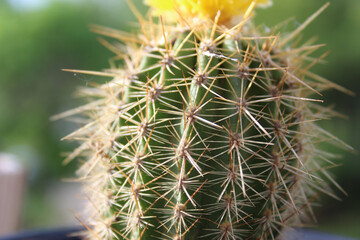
205,9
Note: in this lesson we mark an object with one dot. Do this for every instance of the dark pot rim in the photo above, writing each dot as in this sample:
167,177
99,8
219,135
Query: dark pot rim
69,233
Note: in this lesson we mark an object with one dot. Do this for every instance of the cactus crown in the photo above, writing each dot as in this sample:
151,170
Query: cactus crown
203,130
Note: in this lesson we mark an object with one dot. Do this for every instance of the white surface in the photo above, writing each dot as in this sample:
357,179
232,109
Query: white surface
9,164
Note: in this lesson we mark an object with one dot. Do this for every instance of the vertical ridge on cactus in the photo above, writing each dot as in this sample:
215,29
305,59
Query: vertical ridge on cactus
204,130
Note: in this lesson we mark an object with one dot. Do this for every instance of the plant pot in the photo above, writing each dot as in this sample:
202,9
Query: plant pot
68,234
307,234
51,234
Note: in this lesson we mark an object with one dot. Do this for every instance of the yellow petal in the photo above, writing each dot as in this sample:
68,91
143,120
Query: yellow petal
205,9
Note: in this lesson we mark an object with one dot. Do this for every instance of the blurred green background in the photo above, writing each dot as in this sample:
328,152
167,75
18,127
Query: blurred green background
38,38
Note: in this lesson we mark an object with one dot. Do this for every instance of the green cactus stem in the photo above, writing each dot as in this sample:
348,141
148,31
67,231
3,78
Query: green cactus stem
203,131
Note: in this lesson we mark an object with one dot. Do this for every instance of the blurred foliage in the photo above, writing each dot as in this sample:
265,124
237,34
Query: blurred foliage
35,45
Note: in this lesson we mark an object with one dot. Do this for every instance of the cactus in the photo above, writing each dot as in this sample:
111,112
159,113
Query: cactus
208,127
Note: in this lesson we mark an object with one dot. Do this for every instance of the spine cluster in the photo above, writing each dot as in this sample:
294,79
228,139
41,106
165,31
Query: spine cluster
203,132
